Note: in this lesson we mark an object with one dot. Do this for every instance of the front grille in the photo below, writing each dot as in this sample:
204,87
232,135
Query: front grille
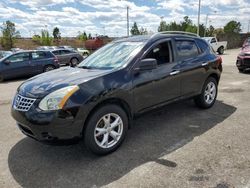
247,61
22,103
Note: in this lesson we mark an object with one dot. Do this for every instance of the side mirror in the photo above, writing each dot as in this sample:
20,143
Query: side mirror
147,64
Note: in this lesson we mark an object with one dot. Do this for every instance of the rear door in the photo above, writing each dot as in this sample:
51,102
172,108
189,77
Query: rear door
38,61
193,66
160,85
18,65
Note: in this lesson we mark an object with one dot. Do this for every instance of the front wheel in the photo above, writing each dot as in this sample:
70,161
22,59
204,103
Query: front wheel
48,68
209,94
106,129
74,62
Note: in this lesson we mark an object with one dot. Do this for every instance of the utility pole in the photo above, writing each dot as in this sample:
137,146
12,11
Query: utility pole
127,21
199,13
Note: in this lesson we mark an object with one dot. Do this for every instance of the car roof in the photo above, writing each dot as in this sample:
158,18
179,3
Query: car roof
157,36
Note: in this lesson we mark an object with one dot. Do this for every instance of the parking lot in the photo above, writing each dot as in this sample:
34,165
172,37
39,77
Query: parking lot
177,146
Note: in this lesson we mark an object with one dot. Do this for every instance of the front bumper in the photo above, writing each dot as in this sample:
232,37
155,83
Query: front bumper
243,62
48,126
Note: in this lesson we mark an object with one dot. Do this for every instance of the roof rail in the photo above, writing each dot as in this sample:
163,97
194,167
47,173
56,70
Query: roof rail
179,32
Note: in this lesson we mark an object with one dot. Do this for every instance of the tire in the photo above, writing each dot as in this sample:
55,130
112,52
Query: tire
1,78
241,70
102,141
207,98
48,68
221,50
73,62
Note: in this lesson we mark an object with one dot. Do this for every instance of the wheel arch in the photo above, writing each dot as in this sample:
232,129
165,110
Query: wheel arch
115,101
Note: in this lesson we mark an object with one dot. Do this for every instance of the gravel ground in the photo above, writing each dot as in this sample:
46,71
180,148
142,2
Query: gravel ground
178,146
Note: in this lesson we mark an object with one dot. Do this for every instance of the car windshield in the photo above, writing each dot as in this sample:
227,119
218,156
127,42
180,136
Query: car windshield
112,55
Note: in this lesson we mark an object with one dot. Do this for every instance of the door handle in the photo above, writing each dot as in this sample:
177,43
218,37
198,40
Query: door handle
174,72
204,64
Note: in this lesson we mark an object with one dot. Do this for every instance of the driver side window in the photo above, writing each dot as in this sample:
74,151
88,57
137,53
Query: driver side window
20,57
161,52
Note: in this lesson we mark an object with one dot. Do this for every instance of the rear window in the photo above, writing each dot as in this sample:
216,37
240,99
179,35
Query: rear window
38,55
186,49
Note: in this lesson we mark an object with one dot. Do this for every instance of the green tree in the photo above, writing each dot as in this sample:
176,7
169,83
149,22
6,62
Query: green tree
134,30
232,27
210,31
82,36
46,40
56,33
143,31
89,36
163,26
9,34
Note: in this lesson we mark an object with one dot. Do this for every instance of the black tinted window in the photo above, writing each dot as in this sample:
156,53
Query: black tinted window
66,52
161,53
186,49
56,52
38,55
202,45
213,40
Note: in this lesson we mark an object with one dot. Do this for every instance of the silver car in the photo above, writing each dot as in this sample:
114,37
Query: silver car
67,57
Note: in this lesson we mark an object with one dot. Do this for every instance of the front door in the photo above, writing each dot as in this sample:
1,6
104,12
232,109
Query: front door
160,85
17,65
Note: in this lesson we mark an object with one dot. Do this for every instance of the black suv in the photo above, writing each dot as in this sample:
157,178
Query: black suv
98,99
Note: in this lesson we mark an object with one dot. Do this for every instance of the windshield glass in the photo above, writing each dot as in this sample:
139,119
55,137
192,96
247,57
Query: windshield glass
112,55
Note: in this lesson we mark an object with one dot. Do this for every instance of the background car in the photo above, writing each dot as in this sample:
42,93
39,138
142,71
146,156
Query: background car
83,51
67,57
67,47
5,54
216,45
46,47
27,63
16,49
246,42
243,59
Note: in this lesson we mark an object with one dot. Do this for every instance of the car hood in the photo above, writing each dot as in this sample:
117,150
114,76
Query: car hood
43,84
246,49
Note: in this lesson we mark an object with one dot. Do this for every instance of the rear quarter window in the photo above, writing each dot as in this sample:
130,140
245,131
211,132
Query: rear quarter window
186,49
203,45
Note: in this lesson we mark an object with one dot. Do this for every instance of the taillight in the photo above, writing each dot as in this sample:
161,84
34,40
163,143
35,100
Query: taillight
219,60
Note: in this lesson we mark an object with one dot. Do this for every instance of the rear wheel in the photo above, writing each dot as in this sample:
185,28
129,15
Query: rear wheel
209,94
74,62
49,68
106,129
221,50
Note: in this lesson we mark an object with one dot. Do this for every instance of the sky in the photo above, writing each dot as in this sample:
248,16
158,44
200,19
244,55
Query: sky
108,17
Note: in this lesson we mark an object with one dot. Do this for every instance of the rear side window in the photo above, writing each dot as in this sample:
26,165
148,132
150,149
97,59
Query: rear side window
56,52
38,55
186,49
202,44
66,52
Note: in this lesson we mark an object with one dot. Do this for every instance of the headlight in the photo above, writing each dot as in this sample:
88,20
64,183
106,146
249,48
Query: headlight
57,99
242,54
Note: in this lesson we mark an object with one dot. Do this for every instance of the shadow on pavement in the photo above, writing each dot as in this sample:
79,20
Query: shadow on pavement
156,134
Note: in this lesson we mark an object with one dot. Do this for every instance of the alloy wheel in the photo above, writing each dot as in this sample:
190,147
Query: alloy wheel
108,130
